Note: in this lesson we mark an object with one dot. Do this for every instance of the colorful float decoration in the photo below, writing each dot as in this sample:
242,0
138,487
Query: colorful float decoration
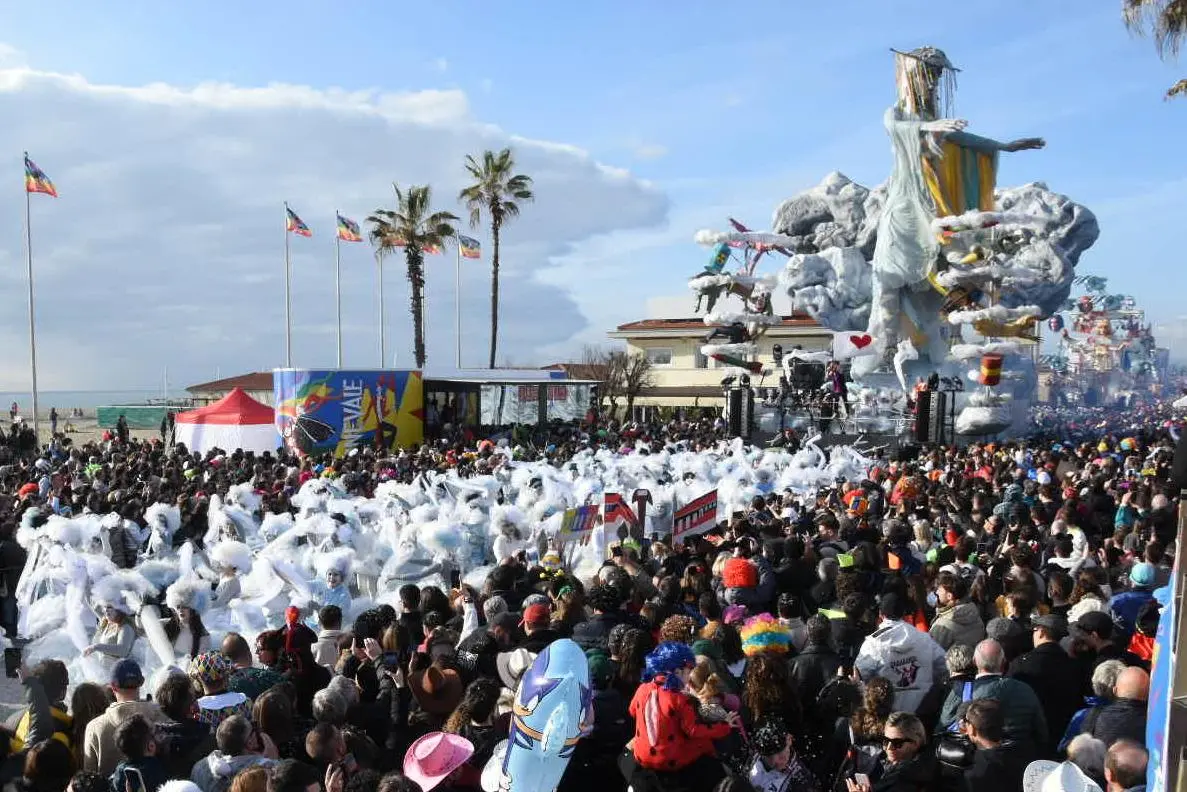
552,710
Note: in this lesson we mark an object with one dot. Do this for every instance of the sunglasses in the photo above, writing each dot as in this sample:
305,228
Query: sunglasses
896,742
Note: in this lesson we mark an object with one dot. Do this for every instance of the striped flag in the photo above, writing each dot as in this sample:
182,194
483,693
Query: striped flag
296,225
470,247
348,230
432,250
577,524
36,181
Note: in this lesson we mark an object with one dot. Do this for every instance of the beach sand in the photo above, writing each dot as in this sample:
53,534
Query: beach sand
81,430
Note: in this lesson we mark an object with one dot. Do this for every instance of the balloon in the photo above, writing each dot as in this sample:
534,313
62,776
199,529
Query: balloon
553,708
721,255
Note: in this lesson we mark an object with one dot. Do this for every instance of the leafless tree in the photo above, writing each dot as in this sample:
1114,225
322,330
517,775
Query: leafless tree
622,374
635,372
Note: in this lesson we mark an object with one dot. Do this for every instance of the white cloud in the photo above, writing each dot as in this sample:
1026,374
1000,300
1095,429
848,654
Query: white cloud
166,245
650,151
441,64
1172,334
10,57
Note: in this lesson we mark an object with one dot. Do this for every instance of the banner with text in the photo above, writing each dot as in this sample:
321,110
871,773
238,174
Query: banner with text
694,519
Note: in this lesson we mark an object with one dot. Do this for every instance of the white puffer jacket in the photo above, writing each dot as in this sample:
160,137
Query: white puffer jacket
910,659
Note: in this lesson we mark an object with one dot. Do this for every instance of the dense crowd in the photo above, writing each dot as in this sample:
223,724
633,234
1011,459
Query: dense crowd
941,624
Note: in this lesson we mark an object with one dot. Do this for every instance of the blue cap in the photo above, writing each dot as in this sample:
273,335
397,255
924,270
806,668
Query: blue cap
127,675
1142,574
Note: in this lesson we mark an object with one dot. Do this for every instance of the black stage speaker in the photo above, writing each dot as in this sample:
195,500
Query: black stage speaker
930,409
739,411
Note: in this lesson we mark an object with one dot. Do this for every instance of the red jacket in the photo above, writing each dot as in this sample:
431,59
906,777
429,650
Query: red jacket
668,735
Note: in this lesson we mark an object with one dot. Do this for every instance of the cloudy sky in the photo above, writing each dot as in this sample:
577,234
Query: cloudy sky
175,134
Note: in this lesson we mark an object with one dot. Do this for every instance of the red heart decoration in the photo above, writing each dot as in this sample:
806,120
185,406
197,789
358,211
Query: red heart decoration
861,341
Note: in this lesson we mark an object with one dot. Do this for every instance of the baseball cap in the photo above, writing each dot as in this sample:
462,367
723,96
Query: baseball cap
1142,574
1094,622
127,675
536,615
1053,622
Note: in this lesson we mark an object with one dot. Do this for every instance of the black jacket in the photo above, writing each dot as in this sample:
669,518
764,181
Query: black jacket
1124,719
848,637
998,769
539,639
917,775
811,669
182,744
1055,679
594,632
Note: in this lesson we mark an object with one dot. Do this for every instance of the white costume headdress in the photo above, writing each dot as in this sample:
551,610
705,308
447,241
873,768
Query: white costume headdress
232,555
189,592
124,590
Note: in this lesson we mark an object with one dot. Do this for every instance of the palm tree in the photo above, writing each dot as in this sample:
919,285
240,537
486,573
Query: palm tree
416,228
1166,22
495,191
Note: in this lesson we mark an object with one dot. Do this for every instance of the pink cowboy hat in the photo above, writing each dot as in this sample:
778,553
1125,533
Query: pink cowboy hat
431,759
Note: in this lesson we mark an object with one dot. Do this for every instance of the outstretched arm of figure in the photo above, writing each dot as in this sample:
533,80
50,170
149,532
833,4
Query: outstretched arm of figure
979,143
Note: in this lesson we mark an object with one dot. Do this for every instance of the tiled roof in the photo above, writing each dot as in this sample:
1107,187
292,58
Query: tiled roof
697,323
255,381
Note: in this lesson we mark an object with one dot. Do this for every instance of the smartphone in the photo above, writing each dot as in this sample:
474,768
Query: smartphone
349,764
862,779
455,578
391,659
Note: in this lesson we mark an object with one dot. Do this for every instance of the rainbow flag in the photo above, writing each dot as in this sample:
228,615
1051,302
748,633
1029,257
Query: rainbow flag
296,225
432,250
348,230
36,181
469,247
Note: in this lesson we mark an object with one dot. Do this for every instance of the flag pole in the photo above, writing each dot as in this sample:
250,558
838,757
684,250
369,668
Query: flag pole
338,284
382,347
288,295
32,323
457,307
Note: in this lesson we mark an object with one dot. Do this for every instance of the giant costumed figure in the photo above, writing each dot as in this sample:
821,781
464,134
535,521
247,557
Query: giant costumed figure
939,171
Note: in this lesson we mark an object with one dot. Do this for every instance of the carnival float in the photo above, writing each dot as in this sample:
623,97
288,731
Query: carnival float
937,273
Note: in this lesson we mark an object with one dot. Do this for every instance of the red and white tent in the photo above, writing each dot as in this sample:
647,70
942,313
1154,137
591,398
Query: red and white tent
236,421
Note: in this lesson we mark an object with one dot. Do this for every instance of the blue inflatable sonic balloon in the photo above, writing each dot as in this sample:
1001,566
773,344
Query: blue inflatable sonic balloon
553,709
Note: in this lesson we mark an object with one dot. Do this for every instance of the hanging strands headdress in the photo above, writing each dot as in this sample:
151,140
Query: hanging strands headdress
926,81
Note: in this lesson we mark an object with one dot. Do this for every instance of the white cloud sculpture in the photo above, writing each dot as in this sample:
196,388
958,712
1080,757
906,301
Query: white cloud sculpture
166,245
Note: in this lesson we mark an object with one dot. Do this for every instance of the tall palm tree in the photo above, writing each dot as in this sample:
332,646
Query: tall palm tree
415,227
496,192
1166,22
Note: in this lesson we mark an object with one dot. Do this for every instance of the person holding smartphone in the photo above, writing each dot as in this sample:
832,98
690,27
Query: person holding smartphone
906,764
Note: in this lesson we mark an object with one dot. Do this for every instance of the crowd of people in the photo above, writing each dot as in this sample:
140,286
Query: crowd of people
973,618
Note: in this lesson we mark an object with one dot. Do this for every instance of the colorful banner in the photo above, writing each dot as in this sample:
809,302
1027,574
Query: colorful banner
320,412
697,517
1162,675
577,525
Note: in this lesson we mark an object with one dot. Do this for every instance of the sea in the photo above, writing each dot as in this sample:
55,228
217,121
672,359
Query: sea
83,399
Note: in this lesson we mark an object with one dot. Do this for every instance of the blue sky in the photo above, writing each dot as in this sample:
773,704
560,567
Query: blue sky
722,112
